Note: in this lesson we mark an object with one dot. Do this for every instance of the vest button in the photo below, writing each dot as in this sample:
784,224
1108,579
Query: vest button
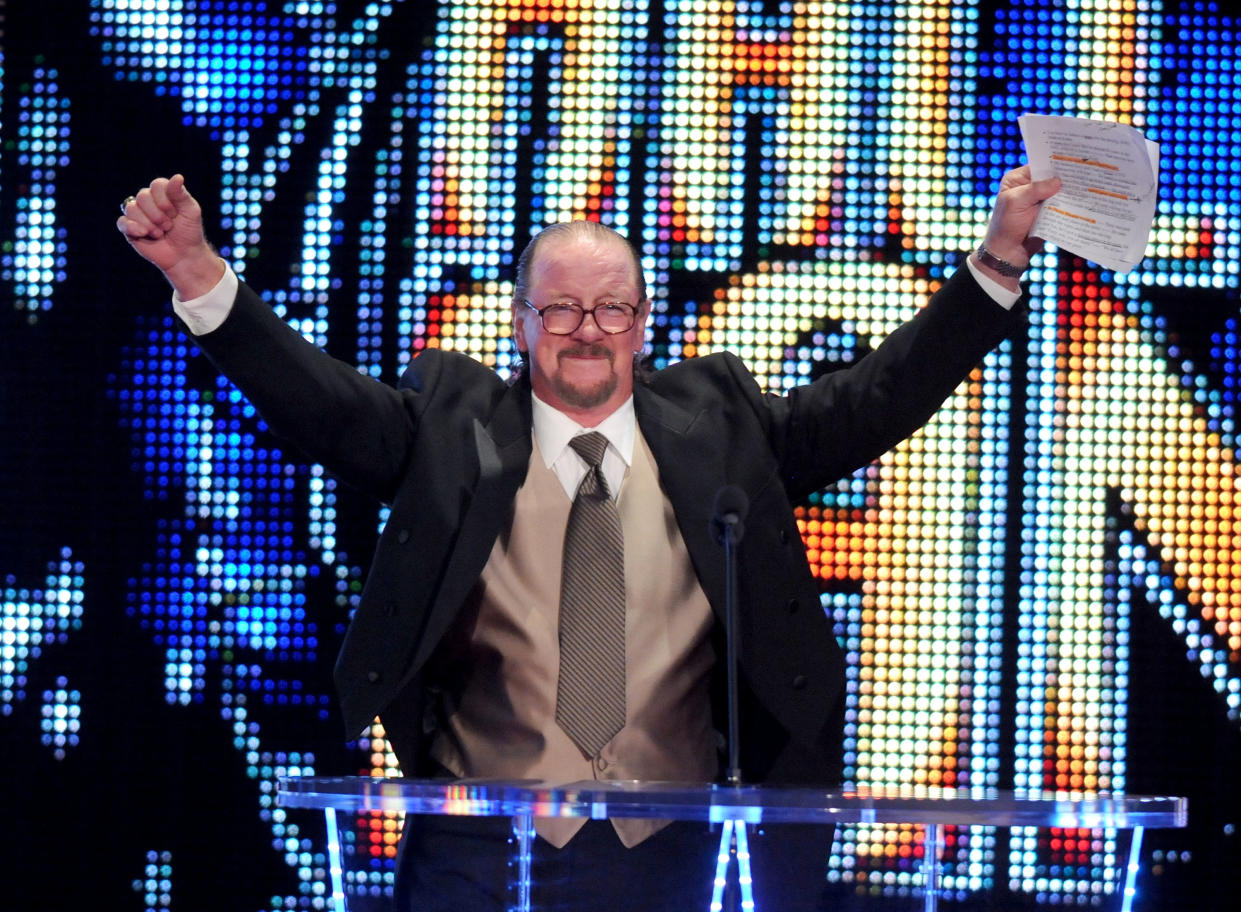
791,606
799,682
374,677
784,536
403,536
389,609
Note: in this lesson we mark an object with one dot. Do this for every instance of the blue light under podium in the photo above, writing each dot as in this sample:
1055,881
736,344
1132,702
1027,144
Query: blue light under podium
733,807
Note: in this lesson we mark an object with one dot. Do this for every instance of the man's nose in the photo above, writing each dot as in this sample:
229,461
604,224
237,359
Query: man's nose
588,328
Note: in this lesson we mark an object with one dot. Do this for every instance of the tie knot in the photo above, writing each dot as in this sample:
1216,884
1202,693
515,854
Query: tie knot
590,447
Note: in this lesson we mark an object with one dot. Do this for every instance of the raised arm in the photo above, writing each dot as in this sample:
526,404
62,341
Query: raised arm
164,223
1008,238
359,428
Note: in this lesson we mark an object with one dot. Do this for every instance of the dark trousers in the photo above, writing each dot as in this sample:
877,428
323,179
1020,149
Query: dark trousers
465,864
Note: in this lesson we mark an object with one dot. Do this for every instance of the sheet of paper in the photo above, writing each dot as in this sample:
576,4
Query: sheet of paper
1110,173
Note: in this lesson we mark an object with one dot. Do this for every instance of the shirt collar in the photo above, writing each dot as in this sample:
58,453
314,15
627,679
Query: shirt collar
553,430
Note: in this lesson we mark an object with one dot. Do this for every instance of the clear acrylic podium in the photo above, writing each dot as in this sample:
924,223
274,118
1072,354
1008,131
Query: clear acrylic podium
733,808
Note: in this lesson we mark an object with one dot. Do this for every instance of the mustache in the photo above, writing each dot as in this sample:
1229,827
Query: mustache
586,350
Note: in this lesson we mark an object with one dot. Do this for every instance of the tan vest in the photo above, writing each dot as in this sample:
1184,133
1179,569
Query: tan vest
500,669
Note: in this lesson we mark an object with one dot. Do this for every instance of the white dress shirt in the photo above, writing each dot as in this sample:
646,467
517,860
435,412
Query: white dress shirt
554,429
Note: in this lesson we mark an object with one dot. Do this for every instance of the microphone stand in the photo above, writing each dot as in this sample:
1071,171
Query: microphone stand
732,635
731,505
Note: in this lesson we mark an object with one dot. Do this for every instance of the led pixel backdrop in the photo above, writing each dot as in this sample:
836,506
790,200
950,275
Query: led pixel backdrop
1041,590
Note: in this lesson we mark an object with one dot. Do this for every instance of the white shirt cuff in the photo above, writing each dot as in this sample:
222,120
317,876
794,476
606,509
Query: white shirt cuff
1005,297
206,312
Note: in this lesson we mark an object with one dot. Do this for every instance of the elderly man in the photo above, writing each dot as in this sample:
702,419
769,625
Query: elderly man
546,598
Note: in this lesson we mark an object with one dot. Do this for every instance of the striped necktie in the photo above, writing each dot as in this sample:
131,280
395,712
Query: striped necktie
590,697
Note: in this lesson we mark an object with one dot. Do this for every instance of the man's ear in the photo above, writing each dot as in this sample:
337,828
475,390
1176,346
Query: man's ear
519,331
644,313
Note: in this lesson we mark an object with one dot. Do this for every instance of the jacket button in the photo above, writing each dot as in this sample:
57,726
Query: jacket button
791,606
799,682
403,536
374,677
784,536
389,609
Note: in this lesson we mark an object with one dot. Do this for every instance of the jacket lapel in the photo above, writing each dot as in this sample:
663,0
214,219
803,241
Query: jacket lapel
690,459
502,446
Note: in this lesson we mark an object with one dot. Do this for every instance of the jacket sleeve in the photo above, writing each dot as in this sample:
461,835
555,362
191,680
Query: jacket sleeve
360,429
825,430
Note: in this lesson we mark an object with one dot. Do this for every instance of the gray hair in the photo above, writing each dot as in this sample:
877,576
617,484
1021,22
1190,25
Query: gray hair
579,228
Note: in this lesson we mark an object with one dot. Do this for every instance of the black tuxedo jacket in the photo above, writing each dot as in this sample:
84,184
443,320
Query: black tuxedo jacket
449,448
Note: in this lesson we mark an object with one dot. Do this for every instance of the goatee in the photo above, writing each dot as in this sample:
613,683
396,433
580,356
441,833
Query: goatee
585,397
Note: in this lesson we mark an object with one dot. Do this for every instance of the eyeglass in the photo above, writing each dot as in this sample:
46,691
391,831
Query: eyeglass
563,319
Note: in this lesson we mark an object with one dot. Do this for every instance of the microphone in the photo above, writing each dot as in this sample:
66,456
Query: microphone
731,506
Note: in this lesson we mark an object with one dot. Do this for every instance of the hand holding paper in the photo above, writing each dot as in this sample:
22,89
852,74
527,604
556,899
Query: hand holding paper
1109,173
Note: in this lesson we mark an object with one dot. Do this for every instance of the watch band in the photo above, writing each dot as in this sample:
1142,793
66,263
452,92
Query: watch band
1003,267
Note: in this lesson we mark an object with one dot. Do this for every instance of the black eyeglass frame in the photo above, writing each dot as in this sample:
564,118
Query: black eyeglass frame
581,316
